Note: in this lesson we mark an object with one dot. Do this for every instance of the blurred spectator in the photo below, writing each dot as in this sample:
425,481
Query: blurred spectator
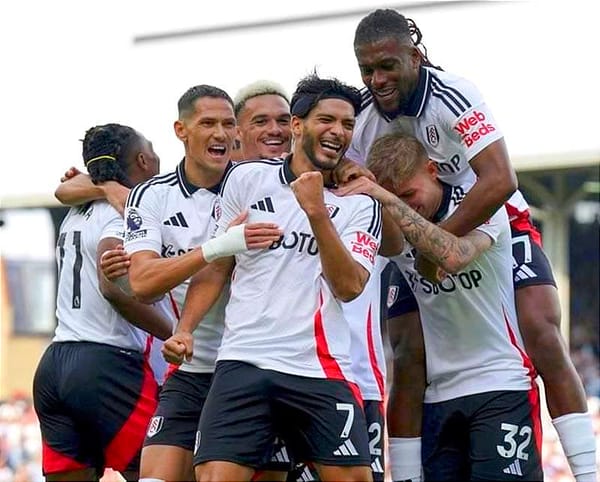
20,441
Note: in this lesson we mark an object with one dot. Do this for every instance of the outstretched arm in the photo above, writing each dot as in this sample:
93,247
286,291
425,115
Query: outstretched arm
79,189
440,246
496,182
205,288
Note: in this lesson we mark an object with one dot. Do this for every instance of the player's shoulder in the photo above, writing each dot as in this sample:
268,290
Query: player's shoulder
362,206
155,185
249,171
452,93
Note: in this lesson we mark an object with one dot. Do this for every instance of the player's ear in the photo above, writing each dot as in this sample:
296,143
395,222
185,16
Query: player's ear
180,130
432,169
296,125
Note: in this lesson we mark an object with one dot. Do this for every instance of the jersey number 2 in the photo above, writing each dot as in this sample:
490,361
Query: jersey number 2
77,264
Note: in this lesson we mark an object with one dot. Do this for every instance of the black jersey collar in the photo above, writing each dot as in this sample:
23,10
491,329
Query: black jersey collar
416,103
445,204
188,189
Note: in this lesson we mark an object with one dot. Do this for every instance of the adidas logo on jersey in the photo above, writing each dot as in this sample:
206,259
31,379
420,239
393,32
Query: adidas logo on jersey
346,449
264,205
176,220
514,468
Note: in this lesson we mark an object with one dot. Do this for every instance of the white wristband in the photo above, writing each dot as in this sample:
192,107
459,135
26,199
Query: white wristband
227,244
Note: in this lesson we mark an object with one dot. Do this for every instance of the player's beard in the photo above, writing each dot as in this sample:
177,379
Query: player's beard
309,144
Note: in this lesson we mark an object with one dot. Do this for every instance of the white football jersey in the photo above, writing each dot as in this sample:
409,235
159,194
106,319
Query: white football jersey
367,354
448,115
82,311
472,340
282,314
170,216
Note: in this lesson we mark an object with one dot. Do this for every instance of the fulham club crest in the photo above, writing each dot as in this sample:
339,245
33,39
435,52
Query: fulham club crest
154,426
432,135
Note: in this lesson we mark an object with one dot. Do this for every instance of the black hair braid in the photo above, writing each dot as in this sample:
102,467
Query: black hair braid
416,36
105,151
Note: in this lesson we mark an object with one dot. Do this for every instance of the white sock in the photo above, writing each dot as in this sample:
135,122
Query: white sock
150,479
405,458
579,444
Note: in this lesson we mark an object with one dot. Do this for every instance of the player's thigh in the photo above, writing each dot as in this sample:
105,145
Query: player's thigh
445,441
505,437
235,424
167,462
322,420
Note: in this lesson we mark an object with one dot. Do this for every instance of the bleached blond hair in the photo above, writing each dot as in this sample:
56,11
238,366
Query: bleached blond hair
255,89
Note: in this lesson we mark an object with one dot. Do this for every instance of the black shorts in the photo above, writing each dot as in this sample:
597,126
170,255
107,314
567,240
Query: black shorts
247,408
180,403
375,415
94,403
375,418
530,264
487,436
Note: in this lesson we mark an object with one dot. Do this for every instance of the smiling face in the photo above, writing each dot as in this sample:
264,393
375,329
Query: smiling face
208,133
390,70
421,191
264,127
325,133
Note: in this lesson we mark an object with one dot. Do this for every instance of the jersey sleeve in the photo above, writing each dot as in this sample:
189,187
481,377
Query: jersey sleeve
466,117
362,235
354,153
142,223
495,225
113,224
229,203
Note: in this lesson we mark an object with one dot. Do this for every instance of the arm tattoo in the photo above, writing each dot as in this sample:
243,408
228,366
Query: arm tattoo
435,243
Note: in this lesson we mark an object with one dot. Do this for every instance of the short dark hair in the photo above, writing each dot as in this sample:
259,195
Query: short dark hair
106,152
185,105
396,157
380,24
312,88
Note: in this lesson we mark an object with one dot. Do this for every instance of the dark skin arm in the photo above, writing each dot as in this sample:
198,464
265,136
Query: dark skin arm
496,182
143,316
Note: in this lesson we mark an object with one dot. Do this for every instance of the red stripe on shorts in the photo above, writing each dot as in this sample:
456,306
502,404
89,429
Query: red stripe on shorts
54,462
128,441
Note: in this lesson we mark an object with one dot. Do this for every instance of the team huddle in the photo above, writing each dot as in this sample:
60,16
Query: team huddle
223,321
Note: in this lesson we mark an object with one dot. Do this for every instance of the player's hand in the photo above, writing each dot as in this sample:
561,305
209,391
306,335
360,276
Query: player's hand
429,270
364,185
114,263
308,189
347,170
70,173
257,235
116,194
177,348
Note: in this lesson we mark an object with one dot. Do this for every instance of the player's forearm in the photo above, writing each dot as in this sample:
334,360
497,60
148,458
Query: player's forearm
480,203
78,190
151,278
345,276
440,246
204,290
142,316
